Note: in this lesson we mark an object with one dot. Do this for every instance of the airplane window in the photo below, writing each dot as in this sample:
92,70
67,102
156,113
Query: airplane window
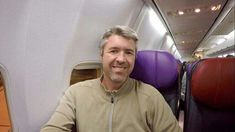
84,72
5,123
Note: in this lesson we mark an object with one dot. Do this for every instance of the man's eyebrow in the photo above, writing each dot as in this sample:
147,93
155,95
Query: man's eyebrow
113,48
132,50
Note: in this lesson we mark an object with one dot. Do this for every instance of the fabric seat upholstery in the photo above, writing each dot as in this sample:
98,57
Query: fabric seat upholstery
159,69
210,96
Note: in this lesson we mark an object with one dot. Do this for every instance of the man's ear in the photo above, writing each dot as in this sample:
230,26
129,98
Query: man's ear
101,56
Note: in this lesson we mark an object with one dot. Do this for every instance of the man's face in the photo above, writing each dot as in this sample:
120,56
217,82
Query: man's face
118,58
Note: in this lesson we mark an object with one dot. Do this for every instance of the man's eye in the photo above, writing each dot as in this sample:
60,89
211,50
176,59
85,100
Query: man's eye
129,53
113,51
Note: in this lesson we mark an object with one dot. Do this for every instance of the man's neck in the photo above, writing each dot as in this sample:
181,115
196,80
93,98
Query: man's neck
110,85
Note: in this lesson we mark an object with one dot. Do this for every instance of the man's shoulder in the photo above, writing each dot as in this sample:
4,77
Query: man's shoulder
85,84
148,94
146,89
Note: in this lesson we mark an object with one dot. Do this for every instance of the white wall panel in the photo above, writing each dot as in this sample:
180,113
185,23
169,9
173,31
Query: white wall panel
150,30
42,40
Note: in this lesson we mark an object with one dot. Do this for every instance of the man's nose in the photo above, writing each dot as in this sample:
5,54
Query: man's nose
121,57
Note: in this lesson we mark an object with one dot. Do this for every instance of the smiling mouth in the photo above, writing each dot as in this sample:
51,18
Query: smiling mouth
119,67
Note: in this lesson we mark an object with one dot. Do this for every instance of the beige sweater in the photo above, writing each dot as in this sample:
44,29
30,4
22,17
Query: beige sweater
136,107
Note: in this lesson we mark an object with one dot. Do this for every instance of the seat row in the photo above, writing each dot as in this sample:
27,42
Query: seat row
209,103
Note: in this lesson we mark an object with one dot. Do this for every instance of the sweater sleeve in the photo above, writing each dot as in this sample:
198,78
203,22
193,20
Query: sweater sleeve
64,117
163,120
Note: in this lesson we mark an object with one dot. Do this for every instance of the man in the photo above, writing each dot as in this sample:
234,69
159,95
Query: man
114,102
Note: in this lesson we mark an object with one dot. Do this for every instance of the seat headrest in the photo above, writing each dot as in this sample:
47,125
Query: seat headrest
213,82
157,68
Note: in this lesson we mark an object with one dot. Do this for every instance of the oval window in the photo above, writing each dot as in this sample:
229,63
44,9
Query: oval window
85,71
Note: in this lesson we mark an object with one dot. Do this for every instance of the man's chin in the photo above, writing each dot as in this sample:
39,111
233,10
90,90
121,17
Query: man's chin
118,79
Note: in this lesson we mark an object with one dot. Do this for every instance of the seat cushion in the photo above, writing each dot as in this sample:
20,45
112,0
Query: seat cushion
158,68
213,82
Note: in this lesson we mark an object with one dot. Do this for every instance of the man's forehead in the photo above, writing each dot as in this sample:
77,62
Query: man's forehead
116,40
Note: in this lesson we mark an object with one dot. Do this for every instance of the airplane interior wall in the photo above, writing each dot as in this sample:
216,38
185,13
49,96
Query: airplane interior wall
13,16
43,41
151,35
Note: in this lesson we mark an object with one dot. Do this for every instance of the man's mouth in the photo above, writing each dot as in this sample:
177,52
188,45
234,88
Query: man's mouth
119,67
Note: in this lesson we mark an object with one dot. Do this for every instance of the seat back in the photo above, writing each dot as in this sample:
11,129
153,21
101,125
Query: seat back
159,69
187,72
210,96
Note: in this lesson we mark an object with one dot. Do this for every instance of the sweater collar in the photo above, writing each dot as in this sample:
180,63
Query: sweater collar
125,88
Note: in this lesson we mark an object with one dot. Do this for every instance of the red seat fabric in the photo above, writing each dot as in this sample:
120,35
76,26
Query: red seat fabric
210,96
213,83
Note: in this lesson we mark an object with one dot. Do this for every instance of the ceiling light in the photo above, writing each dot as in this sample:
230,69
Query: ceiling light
156,22
178,54
213,46
213,8
199,50
221,40
217,7
197,10
173,48
169,41
224,55
233,54
180,12
182,42
230,35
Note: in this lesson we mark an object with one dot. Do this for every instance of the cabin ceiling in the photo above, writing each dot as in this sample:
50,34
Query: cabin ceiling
222,30
189,28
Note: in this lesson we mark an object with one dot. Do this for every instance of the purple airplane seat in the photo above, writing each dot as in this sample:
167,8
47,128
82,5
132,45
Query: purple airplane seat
210,96
159,69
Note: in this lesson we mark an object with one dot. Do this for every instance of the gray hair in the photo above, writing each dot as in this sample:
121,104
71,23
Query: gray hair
123,31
